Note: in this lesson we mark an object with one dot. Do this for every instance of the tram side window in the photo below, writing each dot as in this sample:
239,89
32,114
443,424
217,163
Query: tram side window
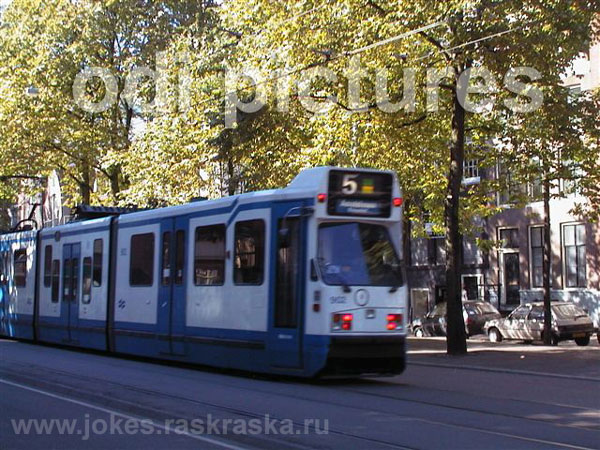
209,256
179,256
20,265
97,263
141,263
166,259
249,252
87,280
48,266
55,279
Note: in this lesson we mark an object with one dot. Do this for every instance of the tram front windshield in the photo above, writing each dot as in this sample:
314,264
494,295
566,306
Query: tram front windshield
358,254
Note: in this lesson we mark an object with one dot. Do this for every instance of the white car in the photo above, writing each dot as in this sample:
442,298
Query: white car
526,323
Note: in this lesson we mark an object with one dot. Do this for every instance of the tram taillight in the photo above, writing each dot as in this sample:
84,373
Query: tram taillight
342,322
394,321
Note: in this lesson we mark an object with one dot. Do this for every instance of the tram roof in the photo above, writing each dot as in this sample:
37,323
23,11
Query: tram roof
306,184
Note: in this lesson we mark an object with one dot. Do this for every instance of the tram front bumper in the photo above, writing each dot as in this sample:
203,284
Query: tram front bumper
365,355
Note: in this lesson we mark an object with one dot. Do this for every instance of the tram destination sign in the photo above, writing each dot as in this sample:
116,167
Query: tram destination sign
366,194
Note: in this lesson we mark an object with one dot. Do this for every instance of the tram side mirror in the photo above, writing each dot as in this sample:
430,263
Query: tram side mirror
284,238
313,271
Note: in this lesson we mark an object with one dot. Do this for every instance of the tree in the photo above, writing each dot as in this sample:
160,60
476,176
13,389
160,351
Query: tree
495,35
44,46
185,149
555,145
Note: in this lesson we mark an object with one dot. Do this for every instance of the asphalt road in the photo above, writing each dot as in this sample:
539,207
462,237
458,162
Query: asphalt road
114,403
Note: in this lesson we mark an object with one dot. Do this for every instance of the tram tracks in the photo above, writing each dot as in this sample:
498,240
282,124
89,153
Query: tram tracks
146,410
22,371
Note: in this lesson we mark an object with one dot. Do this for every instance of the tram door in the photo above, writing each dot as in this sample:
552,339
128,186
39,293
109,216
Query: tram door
171,301
285,337
70,292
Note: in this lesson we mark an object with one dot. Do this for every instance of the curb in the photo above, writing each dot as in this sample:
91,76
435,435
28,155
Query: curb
501,370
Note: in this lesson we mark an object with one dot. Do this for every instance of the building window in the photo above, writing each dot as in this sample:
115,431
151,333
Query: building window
419,302
419,255
471,171
472,287
438,250
209,256
87,280
572,186
48,266
55,280
471,253
509,237
141,263
249,252
97,263
535,190
510,189
574,251
537,256
20,265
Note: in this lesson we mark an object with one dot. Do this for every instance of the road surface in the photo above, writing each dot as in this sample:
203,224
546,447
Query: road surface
87,400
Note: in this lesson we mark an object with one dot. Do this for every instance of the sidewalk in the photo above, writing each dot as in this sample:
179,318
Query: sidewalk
565,360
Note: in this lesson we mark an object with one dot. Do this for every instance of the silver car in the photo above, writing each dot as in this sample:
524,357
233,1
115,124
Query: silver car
526,323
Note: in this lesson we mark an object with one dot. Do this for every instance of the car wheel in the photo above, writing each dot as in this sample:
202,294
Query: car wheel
528,341
582,341
494,335
598,337
419,333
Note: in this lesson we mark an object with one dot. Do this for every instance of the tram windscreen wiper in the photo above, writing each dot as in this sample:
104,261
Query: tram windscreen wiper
323,266
397,277
345,285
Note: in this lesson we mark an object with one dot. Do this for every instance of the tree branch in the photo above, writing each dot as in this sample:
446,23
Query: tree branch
437,45
379,9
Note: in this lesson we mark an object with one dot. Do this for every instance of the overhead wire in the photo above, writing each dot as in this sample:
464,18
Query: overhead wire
335,57
350,53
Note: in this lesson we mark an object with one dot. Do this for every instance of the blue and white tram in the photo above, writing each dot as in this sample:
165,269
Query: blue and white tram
305,280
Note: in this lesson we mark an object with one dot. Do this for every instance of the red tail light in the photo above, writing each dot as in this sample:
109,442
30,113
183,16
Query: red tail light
321,198
394,322
398,202
342,322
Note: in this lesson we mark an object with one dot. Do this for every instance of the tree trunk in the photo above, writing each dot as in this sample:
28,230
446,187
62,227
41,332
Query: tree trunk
115,186
232,182
85,188
547,266
456,337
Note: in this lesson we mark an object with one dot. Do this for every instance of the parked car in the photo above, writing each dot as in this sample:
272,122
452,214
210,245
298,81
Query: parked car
475,314
526,323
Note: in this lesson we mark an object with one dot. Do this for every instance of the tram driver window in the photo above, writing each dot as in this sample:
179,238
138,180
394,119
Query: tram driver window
20,264
141,264
249,252
209,256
